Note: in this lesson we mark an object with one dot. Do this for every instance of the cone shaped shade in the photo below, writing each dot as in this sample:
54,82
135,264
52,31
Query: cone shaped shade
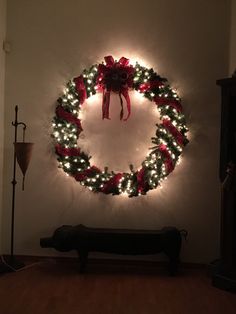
23,153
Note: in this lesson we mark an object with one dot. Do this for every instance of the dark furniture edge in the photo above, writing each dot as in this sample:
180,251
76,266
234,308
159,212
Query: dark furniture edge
229,81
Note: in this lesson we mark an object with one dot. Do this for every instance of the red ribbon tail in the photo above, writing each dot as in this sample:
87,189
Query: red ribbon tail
122,108
125,93
106,105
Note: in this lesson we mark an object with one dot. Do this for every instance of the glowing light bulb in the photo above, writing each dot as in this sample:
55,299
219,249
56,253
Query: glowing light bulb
67,165
174,122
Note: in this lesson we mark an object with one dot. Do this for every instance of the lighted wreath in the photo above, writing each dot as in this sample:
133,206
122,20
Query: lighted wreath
119,77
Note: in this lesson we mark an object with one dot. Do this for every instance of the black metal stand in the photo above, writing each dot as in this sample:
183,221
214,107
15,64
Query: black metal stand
10,263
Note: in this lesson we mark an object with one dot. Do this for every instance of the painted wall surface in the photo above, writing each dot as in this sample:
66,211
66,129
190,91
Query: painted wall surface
232,61
54,41
2,78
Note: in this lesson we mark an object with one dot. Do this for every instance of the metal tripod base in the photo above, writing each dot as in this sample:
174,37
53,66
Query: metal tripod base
4,268
10,264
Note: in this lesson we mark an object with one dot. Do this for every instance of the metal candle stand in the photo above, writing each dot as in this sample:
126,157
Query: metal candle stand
22,154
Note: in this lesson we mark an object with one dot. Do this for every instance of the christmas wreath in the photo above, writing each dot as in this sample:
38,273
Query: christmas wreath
119,77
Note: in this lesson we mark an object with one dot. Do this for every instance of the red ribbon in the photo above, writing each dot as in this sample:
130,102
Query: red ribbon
115,76
125,93
150,85
109,186
142,185
63,151
106,104
168,161
69,117
90,172
168,101
174,131
80,88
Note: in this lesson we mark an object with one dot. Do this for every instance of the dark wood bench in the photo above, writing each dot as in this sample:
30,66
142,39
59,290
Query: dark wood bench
118,241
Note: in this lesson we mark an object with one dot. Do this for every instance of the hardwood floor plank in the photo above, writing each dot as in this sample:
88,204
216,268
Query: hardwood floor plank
55,287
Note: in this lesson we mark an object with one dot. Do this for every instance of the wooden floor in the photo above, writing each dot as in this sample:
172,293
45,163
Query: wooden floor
57,287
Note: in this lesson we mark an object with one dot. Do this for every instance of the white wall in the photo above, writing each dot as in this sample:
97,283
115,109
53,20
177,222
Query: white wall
52,41
232,60
2,78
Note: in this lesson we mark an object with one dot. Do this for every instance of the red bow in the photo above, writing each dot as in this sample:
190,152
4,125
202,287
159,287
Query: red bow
115,76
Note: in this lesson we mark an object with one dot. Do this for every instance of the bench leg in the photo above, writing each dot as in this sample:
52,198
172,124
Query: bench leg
83,258
173,266
173,255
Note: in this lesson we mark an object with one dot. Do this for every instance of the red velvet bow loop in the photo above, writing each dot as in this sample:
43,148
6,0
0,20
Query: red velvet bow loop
109,61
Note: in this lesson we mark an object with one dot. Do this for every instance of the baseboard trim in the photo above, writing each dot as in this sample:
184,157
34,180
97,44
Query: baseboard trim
27,259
